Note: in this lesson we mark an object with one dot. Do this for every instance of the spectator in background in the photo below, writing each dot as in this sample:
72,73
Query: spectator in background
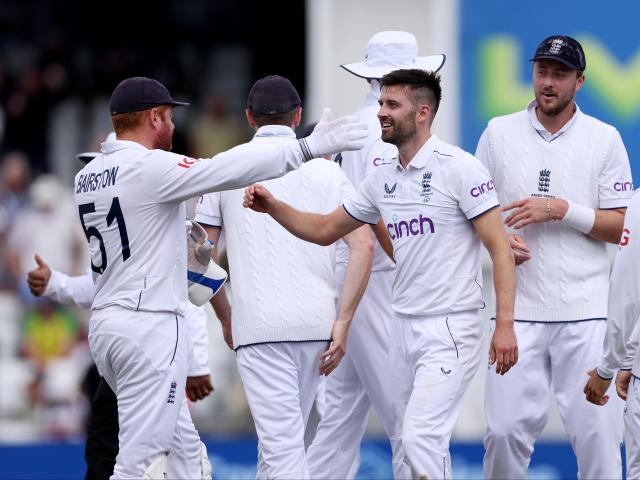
50,227
14,185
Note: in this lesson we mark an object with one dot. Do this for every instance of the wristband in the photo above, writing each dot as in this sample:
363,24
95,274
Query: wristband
579,217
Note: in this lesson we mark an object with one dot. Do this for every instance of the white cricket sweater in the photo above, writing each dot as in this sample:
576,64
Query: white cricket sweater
283,287
585,162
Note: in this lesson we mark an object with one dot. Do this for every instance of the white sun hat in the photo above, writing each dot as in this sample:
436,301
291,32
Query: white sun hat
389,51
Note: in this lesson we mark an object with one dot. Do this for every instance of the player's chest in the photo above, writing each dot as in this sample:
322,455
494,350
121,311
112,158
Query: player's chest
424,192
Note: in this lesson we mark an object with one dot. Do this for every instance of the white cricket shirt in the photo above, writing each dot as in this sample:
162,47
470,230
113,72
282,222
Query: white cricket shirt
283,287
358,164
131,205
585,162
621,339
427,208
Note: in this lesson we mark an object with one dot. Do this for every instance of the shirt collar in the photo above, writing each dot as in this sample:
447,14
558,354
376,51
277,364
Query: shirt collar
275,131
419,160
543,132
111,146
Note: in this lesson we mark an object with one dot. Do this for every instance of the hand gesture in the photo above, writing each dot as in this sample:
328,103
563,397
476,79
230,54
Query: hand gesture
622,383
38,279
334,136
534,210
198,387
596,388
519,248
258,198
337,349
504,349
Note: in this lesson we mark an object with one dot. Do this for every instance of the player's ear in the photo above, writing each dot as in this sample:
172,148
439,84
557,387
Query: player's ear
250,120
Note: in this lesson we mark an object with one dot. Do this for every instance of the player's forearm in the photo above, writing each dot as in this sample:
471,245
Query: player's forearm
311,227
357,272
221,306
608,225
382,235
504,281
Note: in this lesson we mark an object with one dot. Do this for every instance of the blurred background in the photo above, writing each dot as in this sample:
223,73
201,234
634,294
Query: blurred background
59,62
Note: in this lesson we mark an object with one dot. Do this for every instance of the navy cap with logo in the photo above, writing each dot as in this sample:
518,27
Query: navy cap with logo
564,49
272,95
140,93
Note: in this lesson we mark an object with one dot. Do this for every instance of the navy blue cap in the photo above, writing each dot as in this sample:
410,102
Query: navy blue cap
563,49
272,95
140,93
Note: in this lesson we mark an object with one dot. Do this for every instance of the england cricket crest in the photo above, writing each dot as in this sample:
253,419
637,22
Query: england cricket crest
544,180
425,184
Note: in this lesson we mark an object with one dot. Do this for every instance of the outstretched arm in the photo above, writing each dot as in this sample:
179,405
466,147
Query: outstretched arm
312,227
504,346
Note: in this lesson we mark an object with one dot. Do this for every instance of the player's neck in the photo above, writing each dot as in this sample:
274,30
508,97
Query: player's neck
140,137
408,150
554,123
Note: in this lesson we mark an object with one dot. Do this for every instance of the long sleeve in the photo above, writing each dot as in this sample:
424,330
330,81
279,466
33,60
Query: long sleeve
196,322
621,338
78,291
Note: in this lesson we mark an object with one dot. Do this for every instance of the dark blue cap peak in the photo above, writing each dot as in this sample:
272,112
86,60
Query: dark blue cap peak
140,93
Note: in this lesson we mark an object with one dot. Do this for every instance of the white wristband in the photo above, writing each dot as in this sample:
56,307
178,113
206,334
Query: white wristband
579,217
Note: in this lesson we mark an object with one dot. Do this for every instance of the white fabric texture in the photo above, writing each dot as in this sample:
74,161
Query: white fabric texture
280,380
621,338
143,358
586,163
298,301
434,359
517,404
427,208
359,382
130,189
79,291
632,429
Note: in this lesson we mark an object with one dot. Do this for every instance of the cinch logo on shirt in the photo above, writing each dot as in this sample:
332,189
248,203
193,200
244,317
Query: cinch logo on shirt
624,240
482,188
380,161
409,228
187,162
623,186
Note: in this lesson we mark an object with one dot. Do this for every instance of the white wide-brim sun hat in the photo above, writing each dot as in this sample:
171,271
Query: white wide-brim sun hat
389,51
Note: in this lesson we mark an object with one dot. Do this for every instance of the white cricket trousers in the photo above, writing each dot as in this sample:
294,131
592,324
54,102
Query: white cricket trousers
517,404
360,381
280,381
632,428
434,359
143,357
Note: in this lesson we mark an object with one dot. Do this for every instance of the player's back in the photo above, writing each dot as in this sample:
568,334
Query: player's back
137,244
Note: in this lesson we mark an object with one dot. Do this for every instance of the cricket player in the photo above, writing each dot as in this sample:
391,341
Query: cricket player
102,434
564,181
620,349
362,378
438,204
284,289
131,206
